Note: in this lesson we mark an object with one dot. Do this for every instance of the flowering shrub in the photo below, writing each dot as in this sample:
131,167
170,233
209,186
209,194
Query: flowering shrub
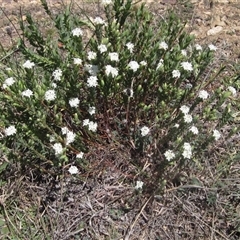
140,78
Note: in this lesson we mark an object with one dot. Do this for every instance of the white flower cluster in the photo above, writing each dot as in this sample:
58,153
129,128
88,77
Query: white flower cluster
203,94
50,95
176,74
144,131
133,65
28,64
57,74
139,185
27,93
11,130
74,102
77,61
187,151
114,56
169,155
92,69
77,32
99,21
91,55
111,70
130,46
73,170
92,81
70,136
187,117
102,48
92,126
163,45
58,148
187,66
8,82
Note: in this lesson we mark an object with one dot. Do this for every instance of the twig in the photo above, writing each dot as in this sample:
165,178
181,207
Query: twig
131,226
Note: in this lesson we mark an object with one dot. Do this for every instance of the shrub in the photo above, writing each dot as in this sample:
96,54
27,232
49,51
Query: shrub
137,80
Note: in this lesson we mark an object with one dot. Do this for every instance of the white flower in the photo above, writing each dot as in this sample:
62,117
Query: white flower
188,86
92,126
176,73
143,63
163,45
169,155
130,46
92,69
187,118
86,122
194,130
184,109
70,137
134,65
52,138
232,90
111,70
91,55
54,85
57,148
187,150
187,66
144,131
106,2
176,125
160,64
28,64
57,74
114,56
139,185
102,48
50,95
92,110
73,170
64,130
212,47
77,32
92,81
8,82
80,155
129,92
99,20
216,134
203,94
77,61
184,52
74,102
198,47
11,130
27,93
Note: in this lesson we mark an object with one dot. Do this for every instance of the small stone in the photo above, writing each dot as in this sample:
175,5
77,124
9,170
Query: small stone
215,30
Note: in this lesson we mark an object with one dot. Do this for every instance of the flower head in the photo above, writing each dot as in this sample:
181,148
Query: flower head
144,131
27,93
57,148
184,109
130,46
187,66
50,95
114,56
169,155
232,90
28,64
80,155
77,32
212,47
143,63
73,170
111,70
92,69
8,82
92,126
160,64
187,118
184,52
176,74
133,65
11,130
163,45
92,110
194,130
99,21
91,55
187,150
106,2
74,102
216,134
102,48
198,47
57,74
203,94
77,61
139,185
70,137
92,81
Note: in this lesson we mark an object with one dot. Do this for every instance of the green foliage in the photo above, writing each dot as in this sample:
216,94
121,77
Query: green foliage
138,72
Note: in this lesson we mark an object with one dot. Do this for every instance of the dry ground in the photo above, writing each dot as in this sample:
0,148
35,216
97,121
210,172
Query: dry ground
102,203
